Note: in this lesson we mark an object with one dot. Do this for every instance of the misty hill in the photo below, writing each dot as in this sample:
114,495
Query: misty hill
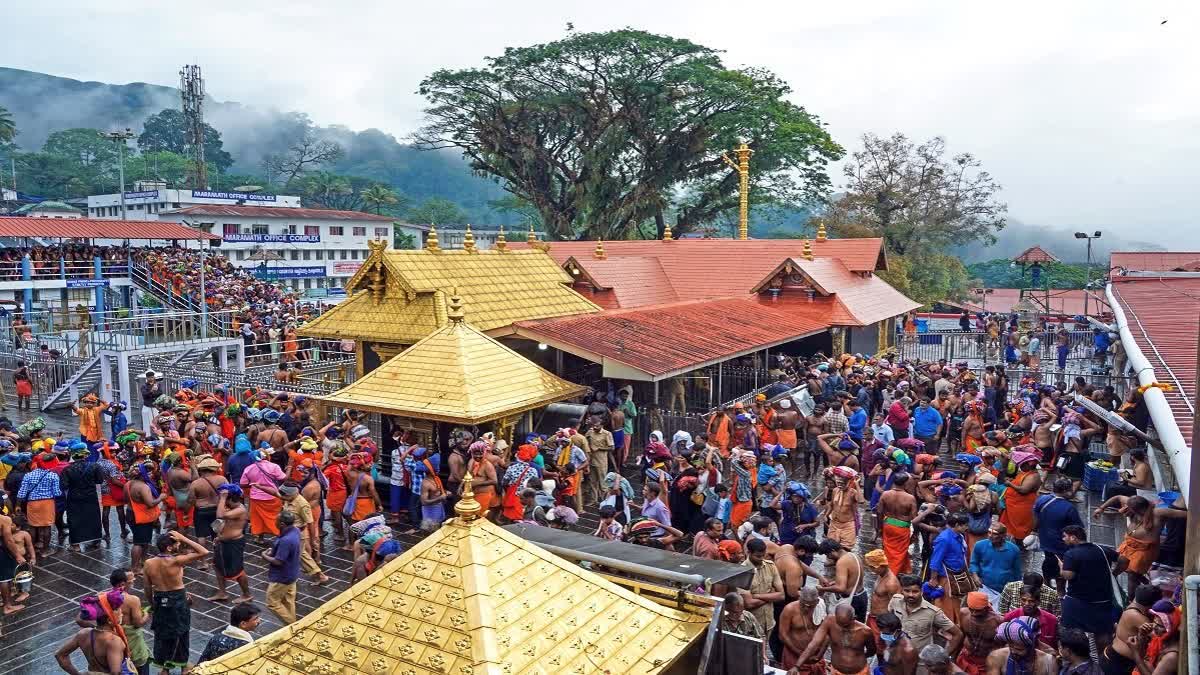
1061,242
42,104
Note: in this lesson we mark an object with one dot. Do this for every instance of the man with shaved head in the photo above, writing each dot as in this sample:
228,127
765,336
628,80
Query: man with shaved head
851,642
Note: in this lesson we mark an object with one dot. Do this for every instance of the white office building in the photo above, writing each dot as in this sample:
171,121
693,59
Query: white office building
150,198
313,250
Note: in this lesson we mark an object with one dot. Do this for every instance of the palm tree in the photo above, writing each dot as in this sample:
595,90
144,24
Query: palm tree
379,196
8,128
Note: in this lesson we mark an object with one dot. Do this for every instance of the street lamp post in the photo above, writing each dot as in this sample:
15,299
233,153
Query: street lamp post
121,138
1087,286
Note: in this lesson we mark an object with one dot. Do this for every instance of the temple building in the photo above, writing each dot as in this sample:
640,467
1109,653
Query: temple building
474,599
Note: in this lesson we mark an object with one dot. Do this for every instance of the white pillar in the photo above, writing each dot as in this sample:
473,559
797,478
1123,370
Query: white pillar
123,381
223,357
106,384
241,356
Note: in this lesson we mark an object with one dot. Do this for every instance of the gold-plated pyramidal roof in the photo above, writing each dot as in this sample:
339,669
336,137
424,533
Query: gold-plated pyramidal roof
456,375
473,599
396,296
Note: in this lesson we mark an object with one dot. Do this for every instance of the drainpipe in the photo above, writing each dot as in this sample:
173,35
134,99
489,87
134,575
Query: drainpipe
1176,447
99,275
27,277
1191,585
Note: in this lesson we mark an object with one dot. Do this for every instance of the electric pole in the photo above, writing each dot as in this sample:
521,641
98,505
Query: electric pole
121,138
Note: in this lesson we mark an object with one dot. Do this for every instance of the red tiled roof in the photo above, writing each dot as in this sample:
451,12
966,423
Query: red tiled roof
1161,314
1035,254
696,269
274,212
86,228
633,281
1151,261
867,299
1063,302
656,341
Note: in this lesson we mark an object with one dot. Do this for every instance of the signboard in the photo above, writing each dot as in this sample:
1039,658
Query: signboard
336,291
316,292
347,267
312,272
272,238
145,194
87,283
232,196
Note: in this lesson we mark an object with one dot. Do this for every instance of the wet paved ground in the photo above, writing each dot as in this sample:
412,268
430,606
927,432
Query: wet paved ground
30,637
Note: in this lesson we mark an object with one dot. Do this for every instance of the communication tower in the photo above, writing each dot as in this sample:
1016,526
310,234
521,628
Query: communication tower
191,90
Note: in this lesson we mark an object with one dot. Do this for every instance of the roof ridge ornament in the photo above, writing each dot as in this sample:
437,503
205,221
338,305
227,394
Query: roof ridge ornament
466,507
501,242
667,236
821,235
807,251
531,238
599,253
455,313
431,240
469,241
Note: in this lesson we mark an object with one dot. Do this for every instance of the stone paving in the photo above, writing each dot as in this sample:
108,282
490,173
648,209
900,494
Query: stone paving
30,638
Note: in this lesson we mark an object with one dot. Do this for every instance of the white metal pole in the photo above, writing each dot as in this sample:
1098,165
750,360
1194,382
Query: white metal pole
203,293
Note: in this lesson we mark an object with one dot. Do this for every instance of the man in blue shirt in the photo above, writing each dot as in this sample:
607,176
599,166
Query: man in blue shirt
995,562
284,559
1054,512
927,424
857,420
949,557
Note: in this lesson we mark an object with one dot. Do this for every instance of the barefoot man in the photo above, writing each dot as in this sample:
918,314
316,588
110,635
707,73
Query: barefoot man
230,554
796,630
887,585
12,554
851,641
978,622
172,612
1021,654
897,507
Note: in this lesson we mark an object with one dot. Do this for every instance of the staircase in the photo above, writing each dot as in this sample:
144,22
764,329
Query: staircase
86,378
143,280
190,358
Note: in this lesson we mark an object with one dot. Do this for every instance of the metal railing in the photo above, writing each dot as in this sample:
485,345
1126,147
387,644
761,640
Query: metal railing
976,346
58,268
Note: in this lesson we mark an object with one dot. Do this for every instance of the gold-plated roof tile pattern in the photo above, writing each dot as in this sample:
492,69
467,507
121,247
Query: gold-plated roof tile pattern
459,375
473,599
394,320
498,288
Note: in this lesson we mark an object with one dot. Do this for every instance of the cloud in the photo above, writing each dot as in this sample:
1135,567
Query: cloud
1085,111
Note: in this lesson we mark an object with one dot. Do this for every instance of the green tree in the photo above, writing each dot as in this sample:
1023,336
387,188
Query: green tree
603,131
403,241
167,130
437,211
8,128
74,161
915,197
85,147
380,197
1002,273
172,168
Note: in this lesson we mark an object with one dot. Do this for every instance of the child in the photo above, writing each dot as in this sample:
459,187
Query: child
568,487
118,421
717,503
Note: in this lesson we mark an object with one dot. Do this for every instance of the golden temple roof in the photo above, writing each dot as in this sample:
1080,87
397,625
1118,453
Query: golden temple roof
394,295
458,375
474,599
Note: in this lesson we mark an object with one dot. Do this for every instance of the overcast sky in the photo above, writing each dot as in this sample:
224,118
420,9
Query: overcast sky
1088,112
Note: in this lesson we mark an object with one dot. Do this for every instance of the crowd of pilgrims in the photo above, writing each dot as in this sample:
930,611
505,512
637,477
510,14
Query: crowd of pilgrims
960,480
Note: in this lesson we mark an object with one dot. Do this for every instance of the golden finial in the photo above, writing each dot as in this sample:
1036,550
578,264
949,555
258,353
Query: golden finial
807,252
469,240
431,242
531,238
501,242
377,286
455,314
467,508
376,246
599,253
820,231
667,234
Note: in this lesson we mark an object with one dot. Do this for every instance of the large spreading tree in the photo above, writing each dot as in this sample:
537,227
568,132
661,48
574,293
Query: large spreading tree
600,132
167,131
920,202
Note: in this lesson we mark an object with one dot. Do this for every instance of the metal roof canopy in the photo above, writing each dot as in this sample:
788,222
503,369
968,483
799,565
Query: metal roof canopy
643,560
86,228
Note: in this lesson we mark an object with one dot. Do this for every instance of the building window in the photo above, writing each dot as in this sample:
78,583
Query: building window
360,231
320,254
336,230
381,232
295,255
174,205
289,229
260,228
312,230
229,228
307,255
345,254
